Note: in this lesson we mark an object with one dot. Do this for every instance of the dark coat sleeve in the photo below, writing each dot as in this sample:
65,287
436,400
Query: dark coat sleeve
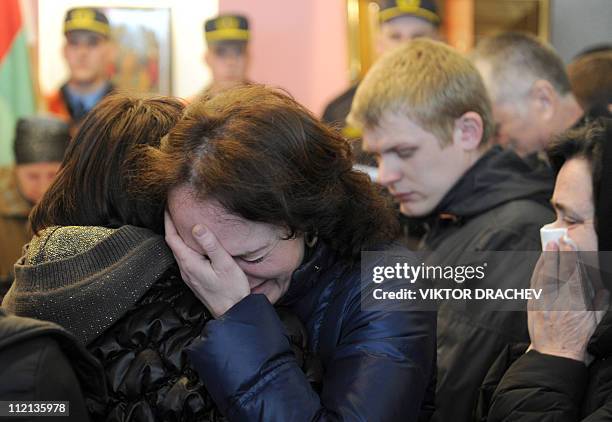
379,370
38,370
541,388
471,339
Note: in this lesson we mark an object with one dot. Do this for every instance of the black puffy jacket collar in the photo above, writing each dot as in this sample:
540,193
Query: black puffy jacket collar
498,177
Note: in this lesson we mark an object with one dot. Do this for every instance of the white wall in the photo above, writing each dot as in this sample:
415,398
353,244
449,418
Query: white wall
189,74
578,24
299,45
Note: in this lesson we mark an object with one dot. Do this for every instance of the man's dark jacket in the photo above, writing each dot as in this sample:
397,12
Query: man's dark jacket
40,361
335,114
498,205
545,388
340,107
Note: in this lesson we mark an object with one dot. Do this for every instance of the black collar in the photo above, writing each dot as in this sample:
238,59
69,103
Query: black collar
600,344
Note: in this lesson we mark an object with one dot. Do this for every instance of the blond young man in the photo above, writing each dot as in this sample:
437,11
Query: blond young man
530,90
400,22
426,115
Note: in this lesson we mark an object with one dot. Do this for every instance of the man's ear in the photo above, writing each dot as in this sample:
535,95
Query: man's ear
468,130
65,50
543,98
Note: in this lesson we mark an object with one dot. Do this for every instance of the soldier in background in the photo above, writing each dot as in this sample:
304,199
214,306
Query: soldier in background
88,54
227,37
39,147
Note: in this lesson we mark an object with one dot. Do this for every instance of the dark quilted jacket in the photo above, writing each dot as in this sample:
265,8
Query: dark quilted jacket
140,337
143,354
148,377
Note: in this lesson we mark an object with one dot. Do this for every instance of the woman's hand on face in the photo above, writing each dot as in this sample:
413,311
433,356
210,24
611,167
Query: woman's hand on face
215,279
571,305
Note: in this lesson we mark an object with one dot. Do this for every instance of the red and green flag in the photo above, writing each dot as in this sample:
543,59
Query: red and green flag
16,90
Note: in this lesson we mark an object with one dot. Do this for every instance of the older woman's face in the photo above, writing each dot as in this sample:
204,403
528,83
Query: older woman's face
259,249
573,203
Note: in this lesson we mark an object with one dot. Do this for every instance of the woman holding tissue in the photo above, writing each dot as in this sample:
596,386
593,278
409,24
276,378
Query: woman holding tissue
566,375
265,209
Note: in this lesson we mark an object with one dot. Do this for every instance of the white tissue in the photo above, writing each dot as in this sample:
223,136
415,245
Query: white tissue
552,234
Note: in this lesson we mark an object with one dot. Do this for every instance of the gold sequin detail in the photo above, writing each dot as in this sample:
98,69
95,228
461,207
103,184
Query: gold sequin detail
62,242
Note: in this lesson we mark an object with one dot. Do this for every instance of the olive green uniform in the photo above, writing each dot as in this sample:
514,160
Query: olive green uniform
14,232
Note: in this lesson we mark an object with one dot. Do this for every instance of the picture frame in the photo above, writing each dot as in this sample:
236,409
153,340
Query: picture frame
494,16
142,48
464,23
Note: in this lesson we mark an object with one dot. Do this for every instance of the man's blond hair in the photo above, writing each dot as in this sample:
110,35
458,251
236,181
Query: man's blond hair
427,81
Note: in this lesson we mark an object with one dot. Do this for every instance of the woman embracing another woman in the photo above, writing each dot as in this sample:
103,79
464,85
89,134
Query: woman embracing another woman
264,209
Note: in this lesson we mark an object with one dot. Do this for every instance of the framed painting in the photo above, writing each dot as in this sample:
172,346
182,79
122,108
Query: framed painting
464,22
493,16
142,49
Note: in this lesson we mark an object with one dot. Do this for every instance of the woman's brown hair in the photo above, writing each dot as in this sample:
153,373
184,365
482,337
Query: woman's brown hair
265,158
94,186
